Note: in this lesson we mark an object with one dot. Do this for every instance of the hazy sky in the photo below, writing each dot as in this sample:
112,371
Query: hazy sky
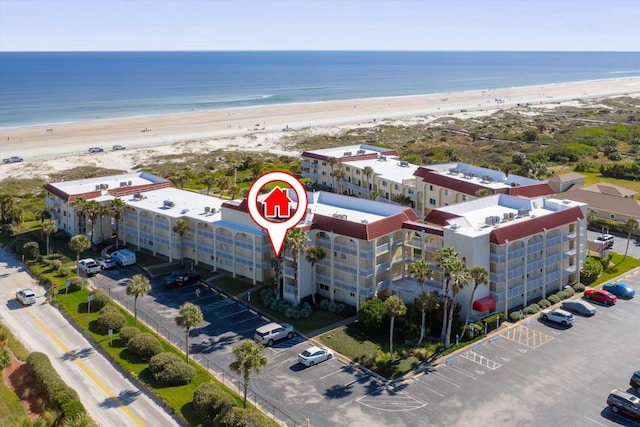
44,25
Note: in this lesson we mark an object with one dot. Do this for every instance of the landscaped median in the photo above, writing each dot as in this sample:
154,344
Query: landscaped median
97,317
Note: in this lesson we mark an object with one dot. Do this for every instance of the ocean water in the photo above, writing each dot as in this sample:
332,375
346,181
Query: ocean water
54,87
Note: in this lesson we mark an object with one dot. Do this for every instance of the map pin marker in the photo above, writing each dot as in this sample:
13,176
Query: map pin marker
277,205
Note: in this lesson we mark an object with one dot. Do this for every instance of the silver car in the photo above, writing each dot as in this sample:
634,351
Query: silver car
579,307
268,334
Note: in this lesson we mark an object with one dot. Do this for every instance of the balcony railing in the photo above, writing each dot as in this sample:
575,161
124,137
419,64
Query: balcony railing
553,241
382,249
496,277
497,258
498,296
515,292
516,272
518,253
308,174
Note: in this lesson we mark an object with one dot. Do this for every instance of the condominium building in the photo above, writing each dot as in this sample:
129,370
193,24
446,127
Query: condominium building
530,247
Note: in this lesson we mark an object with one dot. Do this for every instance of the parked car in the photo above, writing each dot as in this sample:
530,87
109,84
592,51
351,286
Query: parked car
124,257
620,290
606,239
601,296
95,150
12,159
621,401
314,355
106,263
268,334
26,296
89,266
634,382
118,147
579,306
181,278
559,316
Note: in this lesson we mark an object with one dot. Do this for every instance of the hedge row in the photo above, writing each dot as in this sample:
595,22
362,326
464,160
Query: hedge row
215,407
552,299
169,369
60,394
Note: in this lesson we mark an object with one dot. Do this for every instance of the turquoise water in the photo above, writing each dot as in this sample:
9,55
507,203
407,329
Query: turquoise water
53,87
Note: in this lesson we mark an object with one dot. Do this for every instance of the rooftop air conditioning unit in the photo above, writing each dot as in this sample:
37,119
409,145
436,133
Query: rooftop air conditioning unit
168,204
207,209
512,215
347,153
98,186
360,152
383,158
364,221
404,164
123,183
184,211
137,196
488,220
129,183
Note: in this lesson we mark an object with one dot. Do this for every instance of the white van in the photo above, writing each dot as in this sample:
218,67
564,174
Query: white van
606,239
124,257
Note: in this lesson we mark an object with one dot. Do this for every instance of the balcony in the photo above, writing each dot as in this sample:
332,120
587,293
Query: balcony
497,258
553,241
366,272
309,165
347,268
518,253
515,292
308,174
535,247
535,265
382,267
498,296
552,276
345,249
415,241
569,253
516,272
382,249
496,277
552,259
570,236
534,284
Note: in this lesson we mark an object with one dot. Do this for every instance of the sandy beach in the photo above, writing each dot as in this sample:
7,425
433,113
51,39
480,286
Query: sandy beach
61,146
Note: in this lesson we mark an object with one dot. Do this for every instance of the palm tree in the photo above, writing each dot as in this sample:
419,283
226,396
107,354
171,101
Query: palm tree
117,207
190,316
368,171
315,254
332,164
421,271
631,225
248,358
48,228
460,278
92,210
426,302
180,179
223,184
6,205
139,285
395,307
296,242
209,180
80,206
445,258
483,192
338,174
276,264
79,243
480,277
181,228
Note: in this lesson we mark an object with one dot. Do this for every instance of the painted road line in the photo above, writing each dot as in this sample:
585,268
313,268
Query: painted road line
480,360
86,370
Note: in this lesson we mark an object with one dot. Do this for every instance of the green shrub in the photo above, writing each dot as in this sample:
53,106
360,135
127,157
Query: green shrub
127,333
76,283
568,291
324,304
531,309
543,303
339,308
110,318
491,321
31,250
8,230
99,300
55,264
240,417
565,293
5,358
578,287
553,299
591,270
209,401
514,316
373,316
332,307
64,271
144,345
169,369
60,394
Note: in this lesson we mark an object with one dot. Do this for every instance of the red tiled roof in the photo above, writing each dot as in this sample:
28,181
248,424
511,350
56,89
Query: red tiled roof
368,156
455,184
115,192
440,217
520,229
419,226
534,190
361,231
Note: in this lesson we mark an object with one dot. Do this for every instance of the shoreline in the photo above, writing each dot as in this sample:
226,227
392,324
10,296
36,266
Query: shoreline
54,147
636,79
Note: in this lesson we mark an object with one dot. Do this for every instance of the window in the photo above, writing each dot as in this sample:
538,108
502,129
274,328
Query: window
348,169
464,197
446,192
384,183
612,216
431,188
357,171
324,173
324,287
396,187
432,202
343,256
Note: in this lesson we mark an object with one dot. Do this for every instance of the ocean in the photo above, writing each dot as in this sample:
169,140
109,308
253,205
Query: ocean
53,87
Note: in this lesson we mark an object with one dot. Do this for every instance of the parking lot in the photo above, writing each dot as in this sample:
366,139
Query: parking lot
532,373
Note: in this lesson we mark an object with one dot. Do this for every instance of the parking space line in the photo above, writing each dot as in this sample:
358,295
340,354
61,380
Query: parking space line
463,372
526,336
481,360
444,378
594,421
233,314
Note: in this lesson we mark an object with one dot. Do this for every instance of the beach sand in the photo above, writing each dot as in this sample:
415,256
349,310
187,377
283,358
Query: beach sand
63,146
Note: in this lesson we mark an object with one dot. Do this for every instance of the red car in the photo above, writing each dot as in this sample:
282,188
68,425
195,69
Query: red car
600,295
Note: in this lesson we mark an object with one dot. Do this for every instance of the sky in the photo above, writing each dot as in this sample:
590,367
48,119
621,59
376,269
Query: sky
223,25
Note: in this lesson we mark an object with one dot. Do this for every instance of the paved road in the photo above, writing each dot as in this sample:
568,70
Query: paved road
528,374
620,244
109,398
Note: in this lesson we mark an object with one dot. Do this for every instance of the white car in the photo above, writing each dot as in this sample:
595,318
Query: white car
314,355
268,334
89,266
26,296
106,263
559,316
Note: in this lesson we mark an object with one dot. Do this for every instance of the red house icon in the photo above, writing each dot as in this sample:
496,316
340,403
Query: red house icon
276,204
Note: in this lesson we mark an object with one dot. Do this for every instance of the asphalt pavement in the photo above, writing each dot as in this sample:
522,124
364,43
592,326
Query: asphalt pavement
108,396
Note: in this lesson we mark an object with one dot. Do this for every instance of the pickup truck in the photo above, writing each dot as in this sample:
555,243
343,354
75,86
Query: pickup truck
89,266
12,159
181,278
558,316
124,257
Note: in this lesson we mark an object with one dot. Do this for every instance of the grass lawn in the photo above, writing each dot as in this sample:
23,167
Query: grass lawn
232,286
619,267
12,413
177,398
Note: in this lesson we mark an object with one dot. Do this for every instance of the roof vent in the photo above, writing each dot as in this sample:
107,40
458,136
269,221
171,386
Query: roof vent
168,204
98,186
184,211
207,209
404,164
137,196
383,158
360,152
364,221
129,183
347,153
